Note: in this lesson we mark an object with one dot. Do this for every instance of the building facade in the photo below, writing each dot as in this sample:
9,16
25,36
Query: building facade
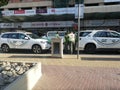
90,5
27,4
100,10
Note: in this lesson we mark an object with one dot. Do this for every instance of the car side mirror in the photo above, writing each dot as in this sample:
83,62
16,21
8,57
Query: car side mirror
26,38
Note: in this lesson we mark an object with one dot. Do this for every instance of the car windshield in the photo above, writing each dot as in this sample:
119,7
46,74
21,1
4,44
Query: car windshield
34,36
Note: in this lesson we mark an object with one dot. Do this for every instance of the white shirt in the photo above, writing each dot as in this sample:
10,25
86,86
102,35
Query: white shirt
71,37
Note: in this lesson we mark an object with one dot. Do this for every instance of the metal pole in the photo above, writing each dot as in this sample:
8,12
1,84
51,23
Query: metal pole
78,30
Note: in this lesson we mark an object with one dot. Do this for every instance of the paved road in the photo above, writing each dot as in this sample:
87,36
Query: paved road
91,72
46,59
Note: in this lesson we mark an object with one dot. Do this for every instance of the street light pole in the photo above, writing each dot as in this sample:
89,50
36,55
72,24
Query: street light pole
78,29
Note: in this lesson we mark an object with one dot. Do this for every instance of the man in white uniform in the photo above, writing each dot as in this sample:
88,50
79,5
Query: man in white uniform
71,42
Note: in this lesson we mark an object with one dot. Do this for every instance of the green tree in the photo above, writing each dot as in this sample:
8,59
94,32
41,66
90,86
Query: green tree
3,2
60,3
79,1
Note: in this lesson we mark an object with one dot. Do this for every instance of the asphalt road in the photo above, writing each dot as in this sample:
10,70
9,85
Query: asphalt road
48,52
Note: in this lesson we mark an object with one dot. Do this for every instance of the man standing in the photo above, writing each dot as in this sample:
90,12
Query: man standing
57,35
71,42
66,42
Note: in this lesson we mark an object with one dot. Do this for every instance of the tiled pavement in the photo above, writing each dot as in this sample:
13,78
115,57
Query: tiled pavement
78,78
90,72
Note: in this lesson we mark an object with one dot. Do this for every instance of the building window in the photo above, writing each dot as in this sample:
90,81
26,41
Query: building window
92,4
111,3
26,8
13,9
41,7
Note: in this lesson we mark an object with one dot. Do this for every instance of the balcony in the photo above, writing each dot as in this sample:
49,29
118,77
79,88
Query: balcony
42,3
110,8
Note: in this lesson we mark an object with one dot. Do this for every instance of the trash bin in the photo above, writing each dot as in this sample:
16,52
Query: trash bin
57,47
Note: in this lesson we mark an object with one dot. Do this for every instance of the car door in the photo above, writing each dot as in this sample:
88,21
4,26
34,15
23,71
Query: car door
102,39
83,38
23,41
106,39
13,40
114,39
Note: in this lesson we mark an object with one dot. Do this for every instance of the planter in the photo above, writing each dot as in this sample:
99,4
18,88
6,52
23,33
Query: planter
27,80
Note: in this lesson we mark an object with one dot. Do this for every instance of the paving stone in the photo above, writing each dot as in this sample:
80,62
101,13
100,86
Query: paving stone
78,78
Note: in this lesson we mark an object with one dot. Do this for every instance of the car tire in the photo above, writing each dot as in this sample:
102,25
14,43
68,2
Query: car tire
90,48
36,49
5,48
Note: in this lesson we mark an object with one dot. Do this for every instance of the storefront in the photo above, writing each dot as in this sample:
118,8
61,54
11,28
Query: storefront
37,27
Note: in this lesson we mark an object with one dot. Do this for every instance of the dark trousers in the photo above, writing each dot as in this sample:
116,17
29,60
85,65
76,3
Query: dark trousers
66,47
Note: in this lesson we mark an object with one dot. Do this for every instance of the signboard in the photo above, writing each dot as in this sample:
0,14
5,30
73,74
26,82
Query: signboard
38,24
24,12
8,13
47,11
52,24
111,0
79,11
30,12
41,11
19,11
6,25
61,10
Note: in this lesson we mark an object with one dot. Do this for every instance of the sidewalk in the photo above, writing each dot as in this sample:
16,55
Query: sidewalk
101,74
78,78
90,72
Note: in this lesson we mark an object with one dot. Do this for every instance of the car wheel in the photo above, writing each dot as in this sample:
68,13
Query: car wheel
5,48
90,48
36,49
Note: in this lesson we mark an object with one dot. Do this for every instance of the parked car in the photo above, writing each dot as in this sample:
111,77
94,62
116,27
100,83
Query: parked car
23,40
92,40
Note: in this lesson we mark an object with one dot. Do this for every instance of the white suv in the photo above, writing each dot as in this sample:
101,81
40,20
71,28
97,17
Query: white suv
92,40
23,40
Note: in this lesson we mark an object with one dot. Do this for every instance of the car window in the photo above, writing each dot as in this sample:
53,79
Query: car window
101,34
83,34
22,36
114,35
34,36
13,36
5,36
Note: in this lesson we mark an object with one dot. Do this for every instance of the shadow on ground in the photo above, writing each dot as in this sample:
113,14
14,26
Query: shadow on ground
99,59
28,56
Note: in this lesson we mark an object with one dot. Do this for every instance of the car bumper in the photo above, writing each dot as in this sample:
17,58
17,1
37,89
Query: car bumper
46,47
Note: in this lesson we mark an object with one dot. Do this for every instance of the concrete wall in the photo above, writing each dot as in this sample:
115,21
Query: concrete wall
112,8
27,80
93,1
